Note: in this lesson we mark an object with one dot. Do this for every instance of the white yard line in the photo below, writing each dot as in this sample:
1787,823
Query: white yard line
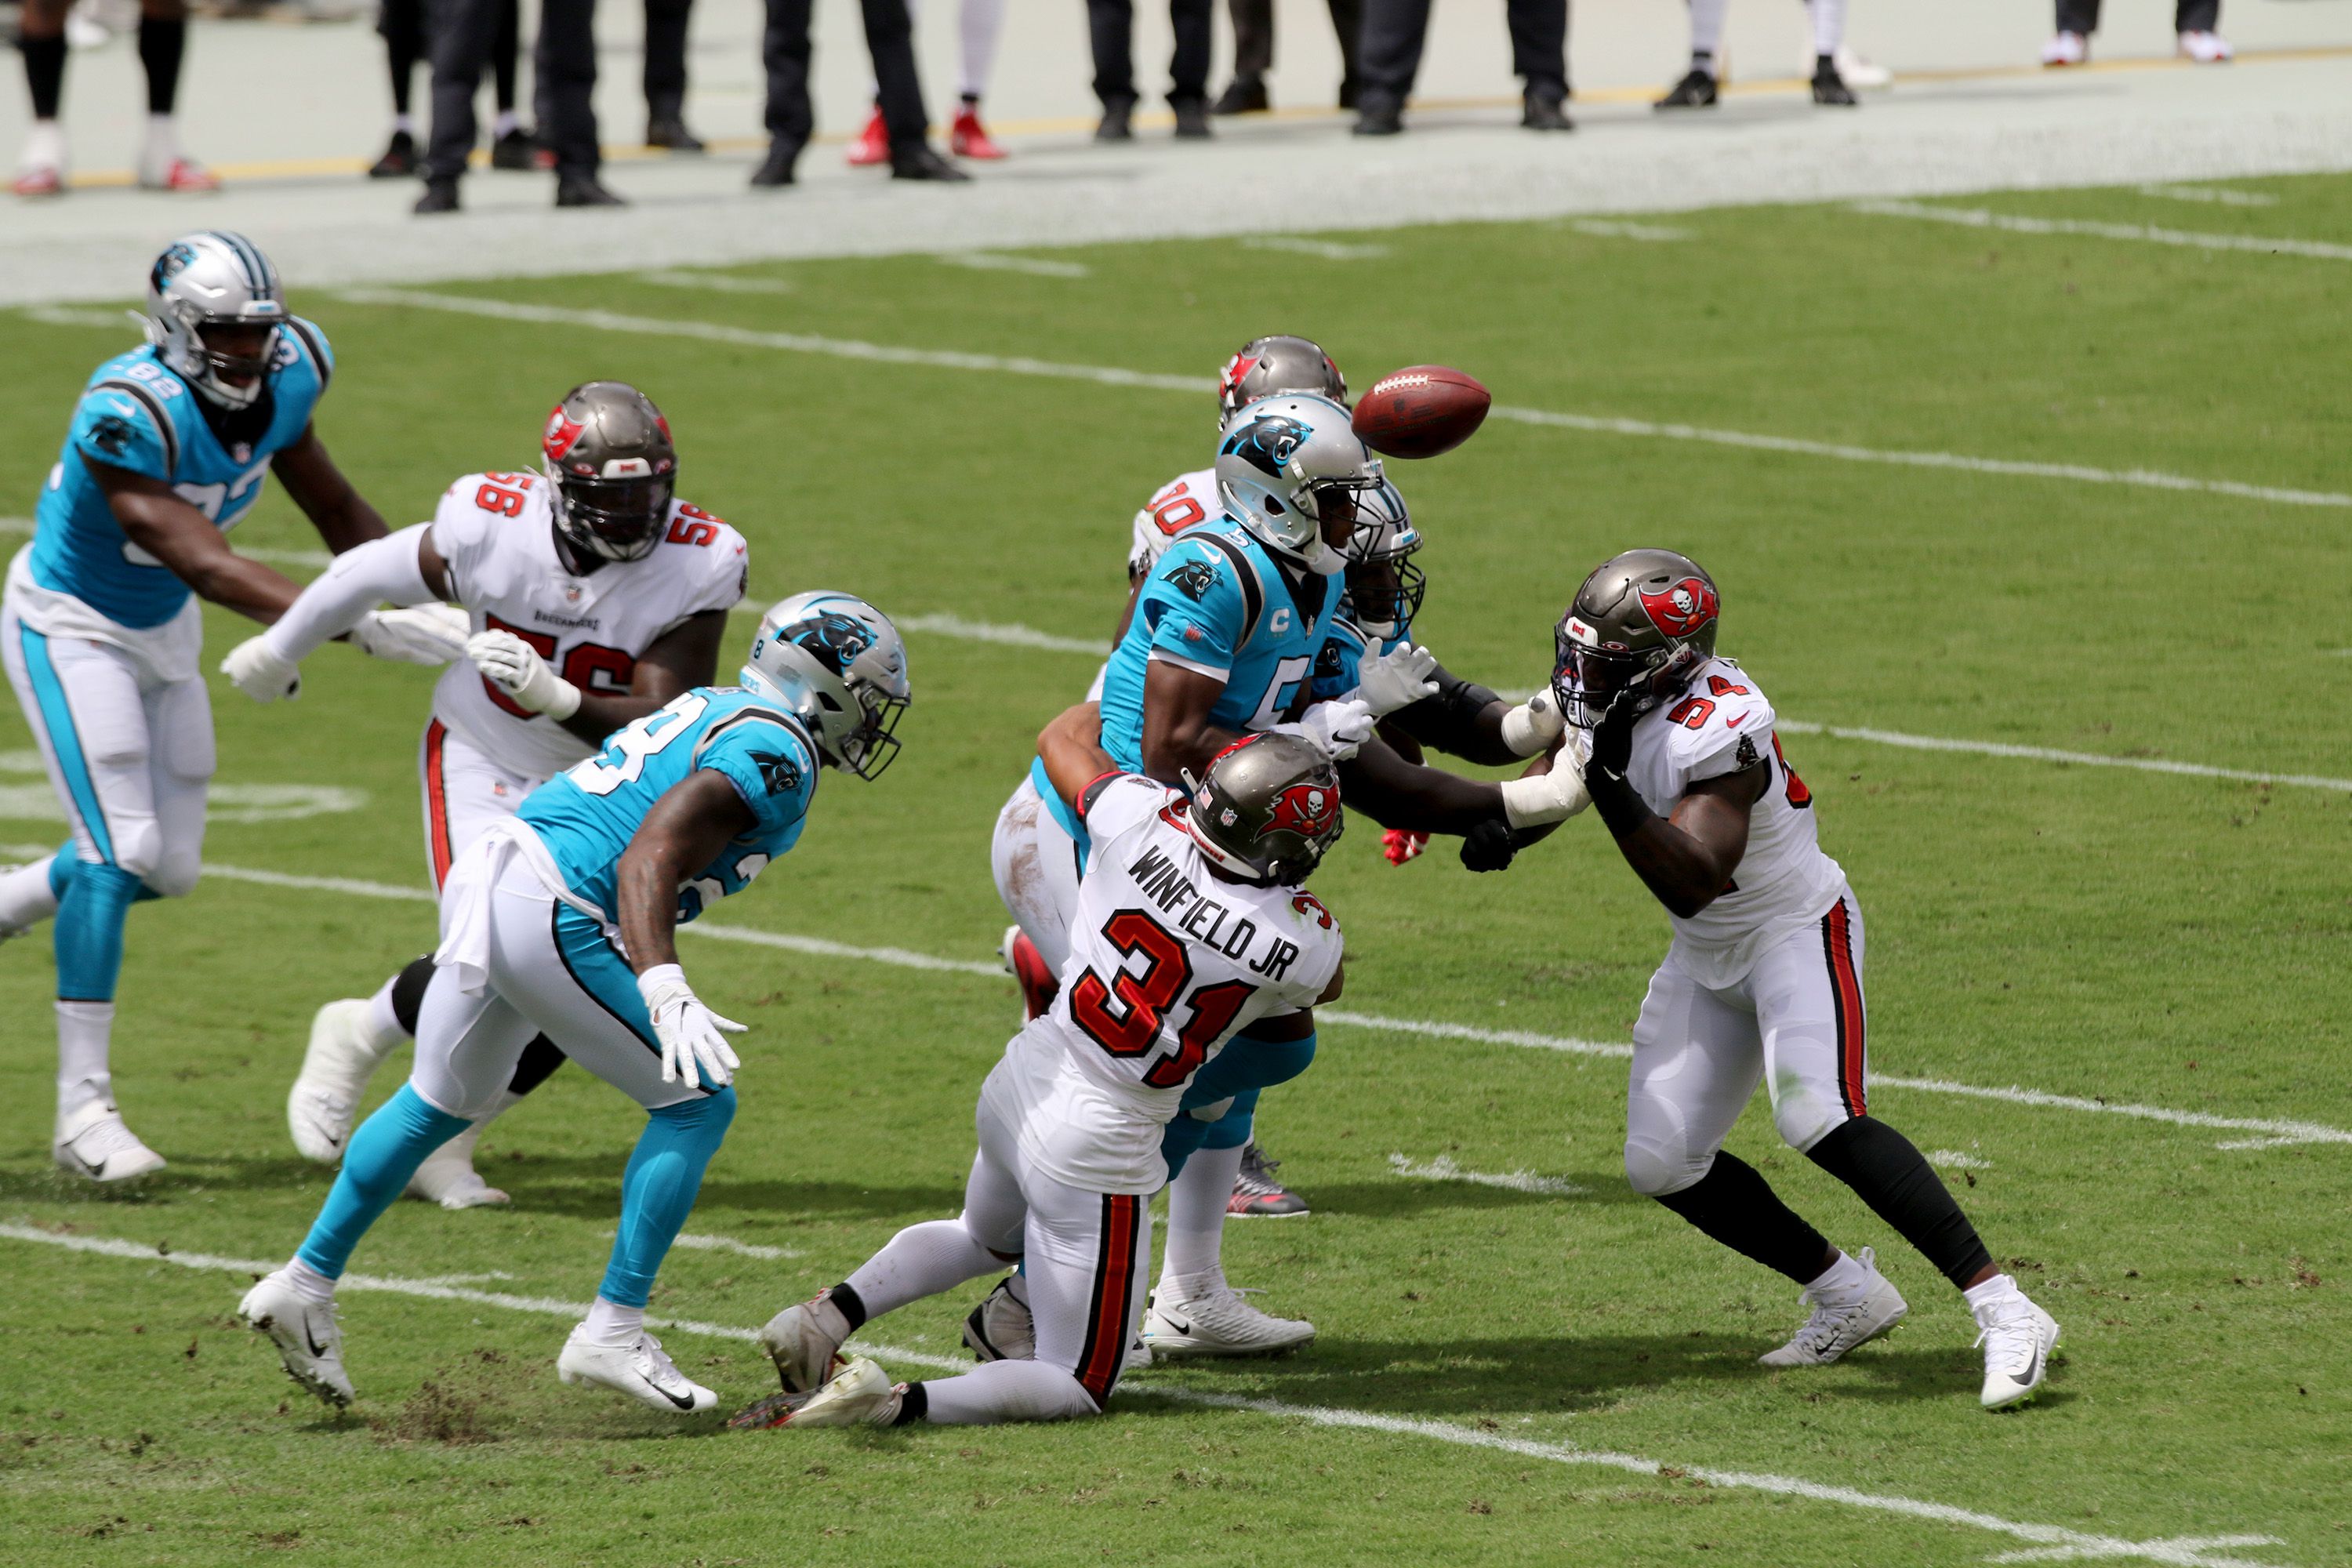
741,1249
1104,376
1611,228
1442,1168
1326,249
1015,636
1954,1160
2049,754
2194,239
998,262
78,316
716,282
2213,195
2053,1542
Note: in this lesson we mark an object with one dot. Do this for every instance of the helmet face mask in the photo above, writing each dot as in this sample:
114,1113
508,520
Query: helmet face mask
212,311
1384,587
1266,811
1646,617
1275,367
612,469
838,664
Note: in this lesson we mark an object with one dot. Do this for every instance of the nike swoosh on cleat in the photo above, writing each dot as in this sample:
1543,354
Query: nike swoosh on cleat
316,1348
687,1403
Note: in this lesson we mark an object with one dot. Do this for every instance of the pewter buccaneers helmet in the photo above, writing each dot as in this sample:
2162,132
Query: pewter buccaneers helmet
207,280
613,469
837,663
1638,613
1268,809
1287,467
1270,367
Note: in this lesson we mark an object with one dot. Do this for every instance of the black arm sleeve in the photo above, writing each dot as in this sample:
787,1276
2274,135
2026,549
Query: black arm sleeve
1454,721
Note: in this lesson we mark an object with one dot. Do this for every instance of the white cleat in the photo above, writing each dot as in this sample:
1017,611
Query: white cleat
639,1370
1000,1328
1219,1323
1138,1355
2207,49
447,1176
1833,1331
2066,49
804,1354
325,1100
1859,73
2018,1338
860,1395
309,1339
93,1143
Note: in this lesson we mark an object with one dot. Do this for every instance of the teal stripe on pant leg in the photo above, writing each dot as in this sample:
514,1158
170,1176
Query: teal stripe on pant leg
57,717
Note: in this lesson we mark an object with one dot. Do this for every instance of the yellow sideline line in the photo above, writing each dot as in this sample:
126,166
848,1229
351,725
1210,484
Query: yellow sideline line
311,168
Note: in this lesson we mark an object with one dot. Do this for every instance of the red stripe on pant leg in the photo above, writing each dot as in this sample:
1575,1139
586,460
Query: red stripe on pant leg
436,803
1114,1299
1837,941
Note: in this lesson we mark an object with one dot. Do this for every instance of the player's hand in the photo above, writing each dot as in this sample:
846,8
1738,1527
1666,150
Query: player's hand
1488,847
1397,679
426,633
1533,725
1612,737
1338,728
259,671
515,667
1402,844
692,1043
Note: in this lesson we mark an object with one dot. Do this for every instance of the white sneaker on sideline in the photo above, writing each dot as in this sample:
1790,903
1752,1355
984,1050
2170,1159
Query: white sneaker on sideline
1218,1323
336,1066
93,1143
2207,49
2018,1338
1858,72
2066,49
1833,1331
309,1339
860,1395
41,168
639,1370
804,1354
447,1176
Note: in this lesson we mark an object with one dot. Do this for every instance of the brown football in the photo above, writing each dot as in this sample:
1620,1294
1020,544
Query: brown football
1420,411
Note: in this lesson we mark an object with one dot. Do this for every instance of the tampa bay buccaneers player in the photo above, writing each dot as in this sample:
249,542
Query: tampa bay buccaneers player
1764,978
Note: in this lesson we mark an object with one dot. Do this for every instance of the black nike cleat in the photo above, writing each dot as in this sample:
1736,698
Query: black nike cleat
1695,91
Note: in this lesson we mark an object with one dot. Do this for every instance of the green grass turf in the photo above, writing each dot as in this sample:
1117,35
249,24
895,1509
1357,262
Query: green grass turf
2098,932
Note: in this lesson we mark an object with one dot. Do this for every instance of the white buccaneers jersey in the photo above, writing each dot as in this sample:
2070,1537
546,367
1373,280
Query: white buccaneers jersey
496,534
1166,963
1184,500
1722,724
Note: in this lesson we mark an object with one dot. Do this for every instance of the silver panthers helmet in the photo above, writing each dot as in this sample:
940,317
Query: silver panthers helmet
1267,810
1271,367
1384,587
214,310
1291,467
838,664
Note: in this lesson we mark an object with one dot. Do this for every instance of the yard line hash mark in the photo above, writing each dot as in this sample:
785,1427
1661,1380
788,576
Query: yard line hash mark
2194,239
1442,1169
2272,1133
1326,249
2049,1543
716,282
1105,375
998,262
2216,195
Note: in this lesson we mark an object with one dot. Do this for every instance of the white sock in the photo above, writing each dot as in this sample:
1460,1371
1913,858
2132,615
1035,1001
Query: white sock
307,1282
507,122
405,124
1982,1299
1198,1201
44,145
1841,1283
163,135
1707,32
385,1033
1829,25
84,1029
611,1324
982,25
25,895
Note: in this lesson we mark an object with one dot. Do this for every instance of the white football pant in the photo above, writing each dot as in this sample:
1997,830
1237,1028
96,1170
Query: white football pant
466,790
1036,866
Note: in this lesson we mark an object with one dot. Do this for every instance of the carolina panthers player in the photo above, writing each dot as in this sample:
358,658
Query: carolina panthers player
1764,978
168,450
595,596
682,808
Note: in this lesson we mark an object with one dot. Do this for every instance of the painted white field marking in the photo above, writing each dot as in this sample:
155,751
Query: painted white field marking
311,558
2049,754
1954,1160
728,1244
243,803
2074,1553
716,282
1442,1169
2179,1551
68,316
1982,218
2216,195
843,348
1326,249
999,261
1015,636
1610,228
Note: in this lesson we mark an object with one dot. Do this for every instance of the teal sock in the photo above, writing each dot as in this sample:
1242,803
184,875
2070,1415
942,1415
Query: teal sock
383,1153
657,1192
87,936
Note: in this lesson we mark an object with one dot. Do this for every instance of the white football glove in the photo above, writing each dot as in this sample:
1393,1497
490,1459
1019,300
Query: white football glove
1554,797
261,672
1533,725
1339,728
522,675
425,634
1397,679
688,1031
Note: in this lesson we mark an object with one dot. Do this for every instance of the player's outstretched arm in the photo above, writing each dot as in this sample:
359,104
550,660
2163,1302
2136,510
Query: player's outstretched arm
1468,720
186,541
687,829
1177,734
685,657
1071,748
334,506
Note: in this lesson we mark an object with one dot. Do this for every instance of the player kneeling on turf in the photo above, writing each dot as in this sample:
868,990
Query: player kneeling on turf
1190,926
562,921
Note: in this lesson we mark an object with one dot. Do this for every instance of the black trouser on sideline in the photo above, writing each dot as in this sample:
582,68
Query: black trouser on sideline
565,66
2188,16
1253,38
460,33
1110,24
1395,30
665,55
890,38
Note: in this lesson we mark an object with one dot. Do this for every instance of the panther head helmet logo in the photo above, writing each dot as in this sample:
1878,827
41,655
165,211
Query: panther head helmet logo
1266,443
835,640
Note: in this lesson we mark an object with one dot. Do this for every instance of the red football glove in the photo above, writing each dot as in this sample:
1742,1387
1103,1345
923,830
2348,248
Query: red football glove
1402,844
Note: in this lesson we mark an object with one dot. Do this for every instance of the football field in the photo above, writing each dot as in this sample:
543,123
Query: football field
2031,513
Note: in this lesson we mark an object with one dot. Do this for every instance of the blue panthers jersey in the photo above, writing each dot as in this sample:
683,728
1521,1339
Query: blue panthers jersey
587,814
1339,663
1217,603
137,413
